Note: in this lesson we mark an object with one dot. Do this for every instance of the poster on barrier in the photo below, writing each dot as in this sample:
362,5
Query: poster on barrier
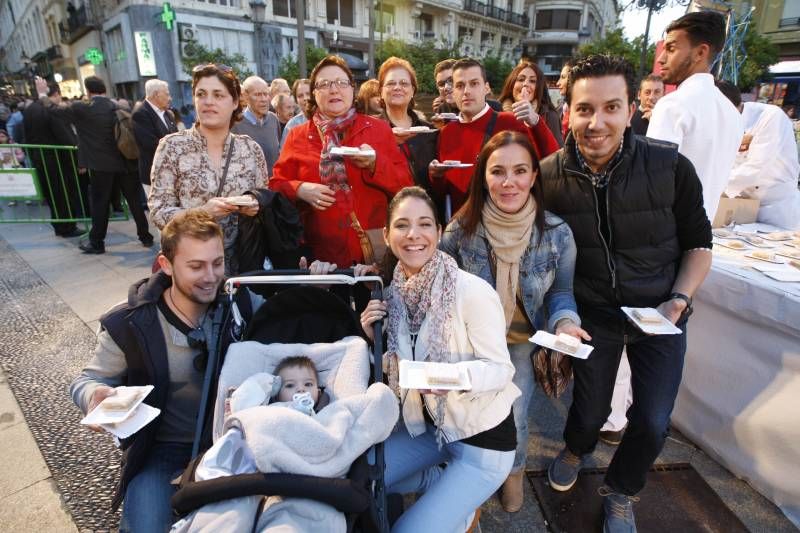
19,184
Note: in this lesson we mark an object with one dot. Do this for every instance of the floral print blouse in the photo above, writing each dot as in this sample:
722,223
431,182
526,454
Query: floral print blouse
182,177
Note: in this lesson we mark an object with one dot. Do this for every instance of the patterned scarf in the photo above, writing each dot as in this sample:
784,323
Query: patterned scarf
430,293
332,171
509,234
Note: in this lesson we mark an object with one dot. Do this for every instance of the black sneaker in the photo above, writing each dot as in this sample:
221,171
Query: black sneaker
147,241
89,247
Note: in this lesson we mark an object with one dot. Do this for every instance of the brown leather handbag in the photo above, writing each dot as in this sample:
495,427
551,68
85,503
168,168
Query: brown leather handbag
552,370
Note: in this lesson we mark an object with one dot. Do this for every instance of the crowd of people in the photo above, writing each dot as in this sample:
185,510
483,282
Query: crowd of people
489,221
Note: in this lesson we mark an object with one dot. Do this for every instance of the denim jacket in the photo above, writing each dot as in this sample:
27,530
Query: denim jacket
546,271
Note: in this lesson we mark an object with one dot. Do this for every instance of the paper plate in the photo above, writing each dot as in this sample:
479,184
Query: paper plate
664,328
412,376
548,340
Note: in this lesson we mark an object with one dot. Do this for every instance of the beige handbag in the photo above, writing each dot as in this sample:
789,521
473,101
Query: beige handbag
372,244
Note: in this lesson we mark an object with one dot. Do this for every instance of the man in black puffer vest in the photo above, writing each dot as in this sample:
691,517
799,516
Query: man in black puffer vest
161,336
635,207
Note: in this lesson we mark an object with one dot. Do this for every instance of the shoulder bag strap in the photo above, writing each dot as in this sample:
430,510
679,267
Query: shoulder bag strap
489,128
225,170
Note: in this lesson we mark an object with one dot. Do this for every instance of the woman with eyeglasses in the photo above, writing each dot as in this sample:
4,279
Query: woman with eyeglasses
503,235
526,95
342,197
206,165
398,85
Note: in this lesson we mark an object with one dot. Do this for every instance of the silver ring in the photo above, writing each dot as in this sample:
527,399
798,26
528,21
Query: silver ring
319,202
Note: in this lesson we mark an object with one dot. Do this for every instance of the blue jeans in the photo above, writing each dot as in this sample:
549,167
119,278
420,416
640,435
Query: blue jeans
656,369
146,507
523,378
451,495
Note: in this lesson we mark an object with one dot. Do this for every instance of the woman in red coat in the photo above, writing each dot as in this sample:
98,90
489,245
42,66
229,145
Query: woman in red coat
338,193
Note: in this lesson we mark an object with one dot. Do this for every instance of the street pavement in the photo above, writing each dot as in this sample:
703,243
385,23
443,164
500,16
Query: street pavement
57,476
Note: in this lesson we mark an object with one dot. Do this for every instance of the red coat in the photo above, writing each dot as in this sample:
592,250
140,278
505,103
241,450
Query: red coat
463,142
328,233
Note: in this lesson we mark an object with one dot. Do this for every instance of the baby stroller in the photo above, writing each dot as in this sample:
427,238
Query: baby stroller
303,315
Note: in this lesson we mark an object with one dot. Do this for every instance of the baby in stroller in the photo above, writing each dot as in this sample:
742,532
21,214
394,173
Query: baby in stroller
278,437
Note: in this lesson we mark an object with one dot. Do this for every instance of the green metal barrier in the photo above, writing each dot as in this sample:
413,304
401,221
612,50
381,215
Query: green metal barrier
41,183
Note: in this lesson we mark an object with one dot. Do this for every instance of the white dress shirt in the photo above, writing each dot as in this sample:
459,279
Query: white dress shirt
769,169
159,112
707,129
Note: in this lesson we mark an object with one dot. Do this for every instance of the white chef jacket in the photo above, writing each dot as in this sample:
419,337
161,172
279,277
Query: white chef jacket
707,129
769,169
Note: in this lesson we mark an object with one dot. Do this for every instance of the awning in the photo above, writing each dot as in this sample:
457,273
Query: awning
785,67
355,63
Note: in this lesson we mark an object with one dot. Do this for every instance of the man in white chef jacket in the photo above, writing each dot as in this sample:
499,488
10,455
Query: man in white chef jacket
767,167
706,127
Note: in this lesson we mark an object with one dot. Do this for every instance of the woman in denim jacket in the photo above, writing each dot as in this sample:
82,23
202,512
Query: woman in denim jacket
503,235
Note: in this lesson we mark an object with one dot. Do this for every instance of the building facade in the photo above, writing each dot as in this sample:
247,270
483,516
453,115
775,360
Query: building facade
127,42
559,27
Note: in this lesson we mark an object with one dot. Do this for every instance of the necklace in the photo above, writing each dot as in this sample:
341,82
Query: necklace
183,315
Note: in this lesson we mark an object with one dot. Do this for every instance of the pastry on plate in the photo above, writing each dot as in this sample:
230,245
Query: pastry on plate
648,316
121,401
567,343
442,374
766,256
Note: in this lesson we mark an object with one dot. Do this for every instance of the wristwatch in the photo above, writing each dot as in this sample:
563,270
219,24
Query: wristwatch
688,299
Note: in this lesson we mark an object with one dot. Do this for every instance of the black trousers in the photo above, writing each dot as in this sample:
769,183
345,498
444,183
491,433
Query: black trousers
60,189
656,369
101,187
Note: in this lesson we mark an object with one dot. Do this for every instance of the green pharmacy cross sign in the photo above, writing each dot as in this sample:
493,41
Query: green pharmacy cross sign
94,56
168,16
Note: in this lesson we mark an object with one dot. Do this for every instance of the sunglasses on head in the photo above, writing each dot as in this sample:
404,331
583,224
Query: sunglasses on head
218,66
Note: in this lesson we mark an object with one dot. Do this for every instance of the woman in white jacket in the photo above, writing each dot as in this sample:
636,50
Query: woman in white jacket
442,314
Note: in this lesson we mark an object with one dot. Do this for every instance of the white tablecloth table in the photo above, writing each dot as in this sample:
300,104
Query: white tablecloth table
740,395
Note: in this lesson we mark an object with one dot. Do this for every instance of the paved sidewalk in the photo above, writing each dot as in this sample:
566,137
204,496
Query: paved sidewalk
52,290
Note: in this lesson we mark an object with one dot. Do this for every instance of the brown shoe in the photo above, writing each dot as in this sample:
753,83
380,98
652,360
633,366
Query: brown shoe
612,438
511,494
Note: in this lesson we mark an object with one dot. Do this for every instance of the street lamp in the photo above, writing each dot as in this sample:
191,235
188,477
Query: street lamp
259,9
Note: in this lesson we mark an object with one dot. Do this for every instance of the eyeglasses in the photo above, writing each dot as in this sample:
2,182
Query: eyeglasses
327,85
443,83
223,68
403,84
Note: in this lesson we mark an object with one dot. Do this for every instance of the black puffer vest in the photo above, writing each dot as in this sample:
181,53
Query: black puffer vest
638,266
134,326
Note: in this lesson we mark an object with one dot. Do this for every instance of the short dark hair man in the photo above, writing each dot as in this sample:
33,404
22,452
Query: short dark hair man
635,209
697,117
95,120
651,89
464,139
443,76
160,337
62,187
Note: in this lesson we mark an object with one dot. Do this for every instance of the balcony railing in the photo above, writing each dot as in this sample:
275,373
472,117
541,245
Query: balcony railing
787,23
497,13
75,26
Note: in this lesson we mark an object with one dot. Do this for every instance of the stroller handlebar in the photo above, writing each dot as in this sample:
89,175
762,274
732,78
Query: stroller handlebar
299,277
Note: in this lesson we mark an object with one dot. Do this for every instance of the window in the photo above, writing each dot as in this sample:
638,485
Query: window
340,12
558,19
544,50
385,18
115,44
424,25
286,8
